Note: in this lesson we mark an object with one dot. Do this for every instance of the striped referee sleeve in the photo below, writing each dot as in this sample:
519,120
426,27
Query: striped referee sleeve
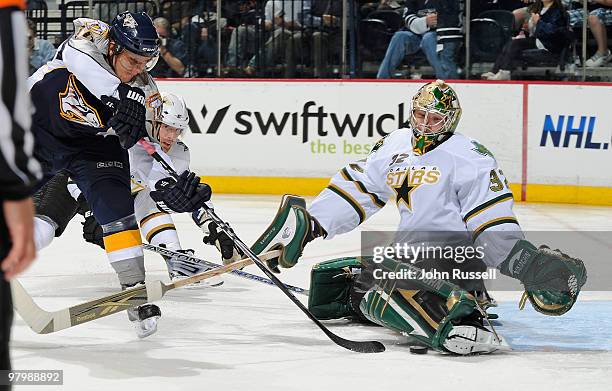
18,169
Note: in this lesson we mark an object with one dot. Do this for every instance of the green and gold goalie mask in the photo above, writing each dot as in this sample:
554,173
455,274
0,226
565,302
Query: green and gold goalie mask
434,115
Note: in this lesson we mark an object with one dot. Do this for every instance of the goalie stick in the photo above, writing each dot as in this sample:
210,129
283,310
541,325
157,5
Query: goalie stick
356,346
212,265
45,322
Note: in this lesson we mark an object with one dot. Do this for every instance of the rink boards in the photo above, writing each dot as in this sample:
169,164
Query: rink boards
276,136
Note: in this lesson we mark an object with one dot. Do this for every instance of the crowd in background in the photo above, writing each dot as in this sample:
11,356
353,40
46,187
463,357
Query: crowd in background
384,39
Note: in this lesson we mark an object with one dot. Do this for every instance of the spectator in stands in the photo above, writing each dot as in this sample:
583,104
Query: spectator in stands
242,41
319,22
172,53
600,16
205,53
327,39
522,15
382,5
282,19
547,30
200,38
41,51
179,13
429,24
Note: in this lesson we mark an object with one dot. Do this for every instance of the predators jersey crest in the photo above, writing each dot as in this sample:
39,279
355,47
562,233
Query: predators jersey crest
74,108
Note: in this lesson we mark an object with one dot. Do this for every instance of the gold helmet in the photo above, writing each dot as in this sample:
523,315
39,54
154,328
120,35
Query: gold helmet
439,99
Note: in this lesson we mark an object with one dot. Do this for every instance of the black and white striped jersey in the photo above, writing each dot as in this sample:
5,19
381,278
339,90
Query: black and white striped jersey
18,169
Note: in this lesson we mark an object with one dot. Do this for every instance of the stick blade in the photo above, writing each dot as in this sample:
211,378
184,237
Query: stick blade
359,346
39,320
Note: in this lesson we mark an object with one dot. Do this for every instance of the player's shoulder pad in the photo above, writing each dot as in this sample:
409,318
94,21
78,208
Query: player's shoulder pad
145,82
467,148
390,141
95,31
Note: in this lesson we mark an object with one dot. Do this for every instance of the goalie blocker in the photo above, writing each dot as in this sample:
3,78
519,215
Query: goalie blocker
552,282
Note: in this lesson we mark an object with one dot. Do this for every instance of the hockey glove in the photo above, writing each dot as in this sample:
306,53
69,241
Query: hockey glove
178,268
92,231
216,237
552,279
129,119
185,195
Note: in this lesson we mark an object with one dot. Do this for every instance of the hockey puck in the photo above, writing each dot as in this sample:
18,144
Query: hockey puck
418,349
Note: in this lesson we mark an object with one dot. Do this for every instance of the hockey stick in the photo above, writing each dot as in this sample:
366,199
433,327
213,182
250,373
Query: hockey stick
45,322
169,253
356,346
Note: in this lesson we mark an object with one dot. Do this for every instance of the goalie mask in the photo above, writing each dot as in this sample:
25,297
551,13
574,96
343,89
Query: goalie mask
434,116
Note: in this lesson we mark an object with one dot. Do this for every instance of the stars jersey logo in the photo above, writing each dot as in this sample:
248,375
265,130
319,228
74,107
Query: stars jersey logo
405,181
481,149
422,144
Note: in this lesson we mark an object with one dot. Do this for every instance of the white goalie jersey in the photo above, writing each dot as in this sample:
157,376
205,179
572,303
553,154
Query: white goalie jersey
456,187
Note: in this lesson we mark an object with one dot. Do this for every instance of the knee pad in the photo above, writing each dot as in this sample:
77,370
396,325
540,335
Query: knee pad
55,202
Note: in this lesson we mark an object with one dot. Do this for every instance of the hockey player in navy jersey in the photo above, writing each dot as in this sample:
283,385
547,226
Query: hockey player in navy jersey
93,102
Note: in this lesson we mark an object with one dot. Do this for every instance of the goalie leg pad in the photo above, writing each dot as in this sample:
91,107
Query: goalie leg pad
55,202
291,229
331,284
428,310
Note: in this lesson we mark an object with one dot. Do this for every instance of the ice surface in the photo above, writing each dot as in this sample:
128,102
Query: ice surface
248,336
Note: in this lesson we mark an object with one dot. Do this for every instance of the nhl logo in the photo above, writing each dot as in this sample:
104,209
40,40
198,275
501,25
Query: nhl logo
129,21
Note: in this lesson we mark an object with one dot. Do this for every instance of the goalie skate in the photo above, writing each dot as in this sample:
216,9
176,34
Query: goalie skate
465,340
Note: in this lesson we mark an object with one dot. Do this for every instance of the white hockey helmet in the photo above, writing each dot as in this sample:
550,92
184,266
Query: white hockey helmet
174,111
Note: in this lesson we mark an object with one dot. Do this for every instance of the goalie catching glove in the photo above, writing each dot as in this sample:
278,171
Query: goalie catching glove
552,279
216,237
185,195
130,115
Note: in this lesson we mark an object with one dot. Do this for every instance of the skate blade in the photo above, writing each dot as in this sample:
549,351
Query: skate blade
146,327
